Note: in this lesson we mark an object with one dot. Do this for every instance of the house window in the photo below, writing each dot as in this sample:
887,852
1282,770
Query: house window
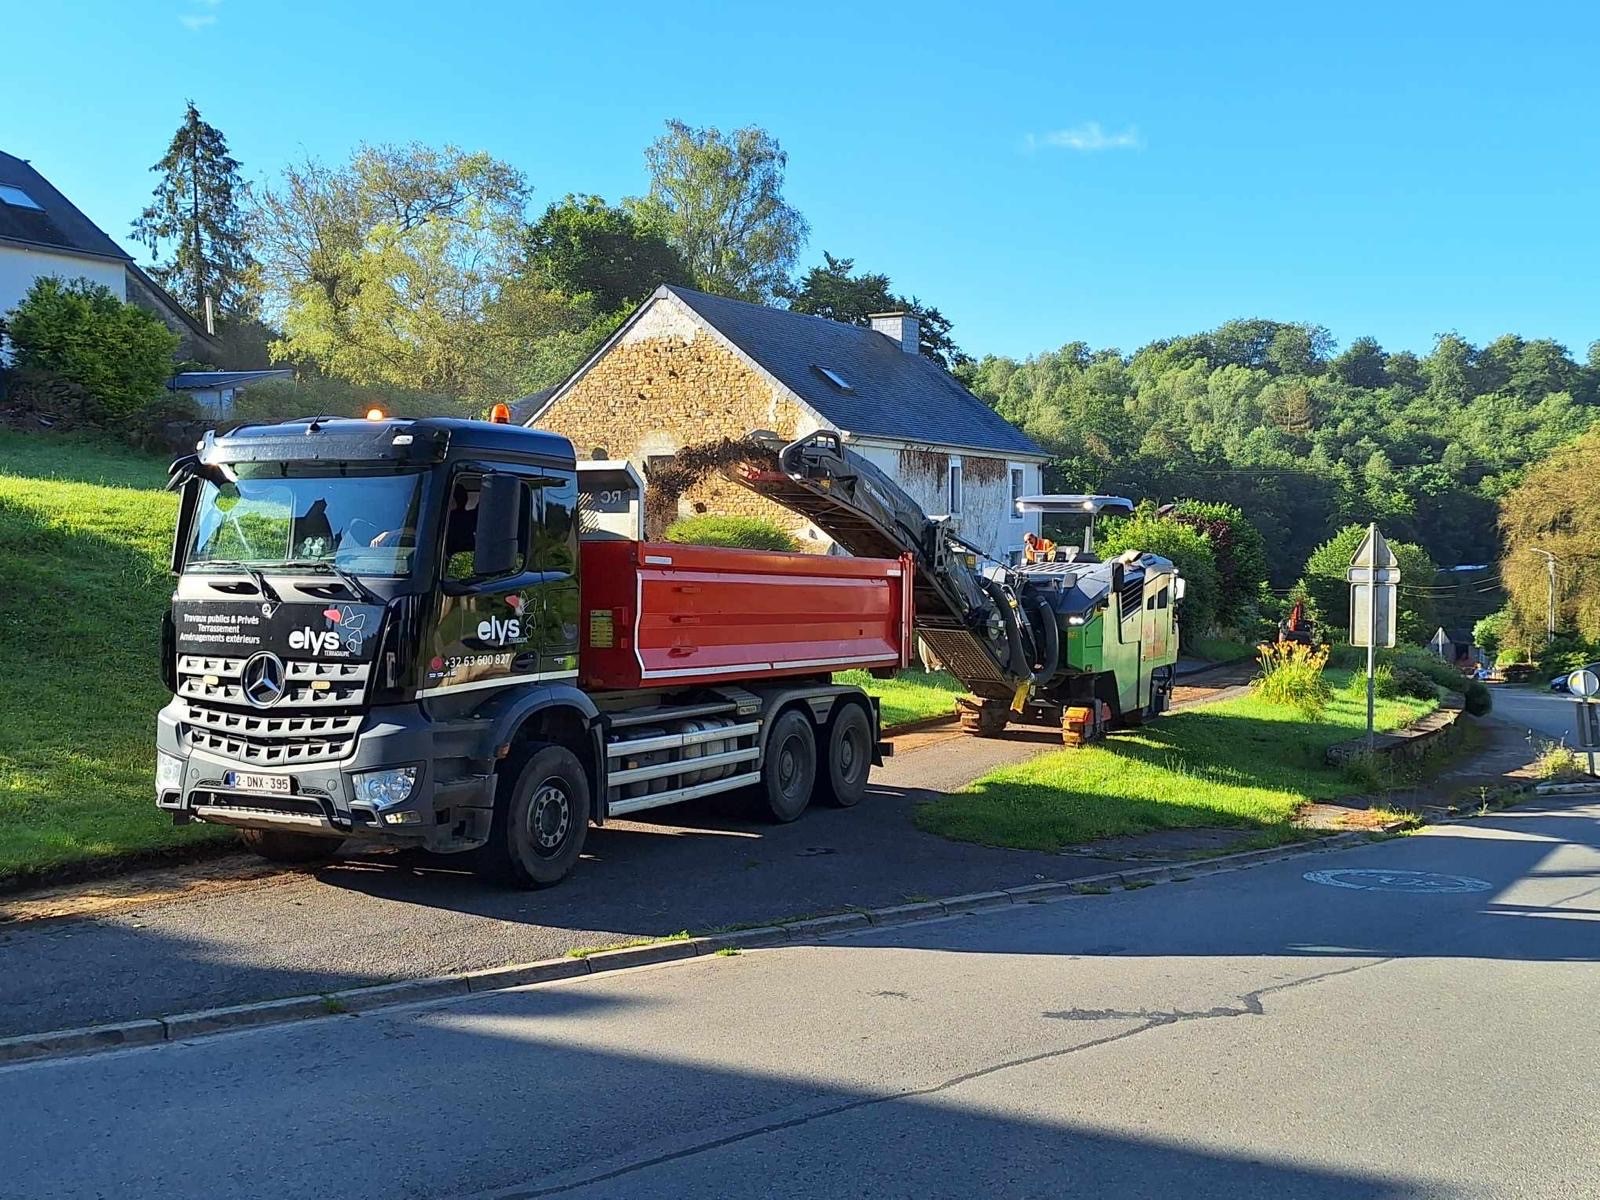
1018,489
18,198
955,487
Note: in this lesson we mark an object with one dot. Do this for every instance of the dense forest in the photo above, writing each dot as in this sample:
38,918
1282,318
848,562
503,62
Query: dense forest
1266,416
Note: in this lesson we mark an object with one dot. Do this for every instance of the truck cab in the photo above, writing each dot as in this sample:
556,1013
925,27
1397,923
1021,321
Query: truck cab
379,632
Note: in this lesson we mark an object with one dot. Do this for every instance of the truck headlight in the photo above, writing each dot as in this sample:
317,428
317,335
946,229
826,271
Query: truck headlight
169,773
383,788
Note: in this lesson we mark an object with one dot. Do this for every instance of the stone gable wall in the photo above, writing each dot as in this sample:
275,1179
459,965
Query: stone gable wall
668,384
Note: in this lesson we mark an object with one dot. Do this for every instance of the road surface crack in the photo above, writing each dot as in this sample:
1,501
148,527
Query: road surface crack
1249,1004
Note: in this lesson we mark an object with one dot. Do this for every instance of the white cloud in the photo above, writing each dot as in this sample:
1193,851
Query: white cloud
1086,137
201,14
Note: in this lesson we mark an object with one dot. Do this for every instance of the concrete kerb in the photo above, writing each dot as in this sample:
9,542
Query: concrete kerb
184,1026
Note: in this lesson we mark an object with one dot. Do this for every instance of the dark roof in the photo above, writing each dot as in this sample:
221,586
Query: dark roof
525,409
57,223
892,394
190,381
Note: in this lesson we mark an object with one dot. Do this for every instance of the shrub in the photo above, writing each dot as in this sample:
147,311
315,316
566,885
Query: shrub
1189,551
743,533
164,426
1292,676
1240,555
1479,700
1559,763
1425,662
119,355
1408,681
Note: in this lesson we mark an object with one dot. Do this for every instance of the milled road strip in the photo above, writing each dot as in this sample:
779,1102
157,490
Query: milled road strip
185,1027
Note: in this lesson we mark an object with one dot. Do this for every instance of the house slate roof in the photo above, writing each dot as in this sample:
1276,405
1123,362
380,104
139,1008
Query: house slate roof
57,224
893,394
199,381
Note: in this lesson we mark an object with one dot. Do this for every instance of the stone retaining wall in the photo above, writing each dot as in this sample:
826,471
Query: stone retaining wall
1438,729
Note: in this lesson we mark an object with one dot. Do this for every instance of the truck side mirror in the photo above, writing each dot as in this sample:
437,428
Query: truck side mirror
1179,586
497,548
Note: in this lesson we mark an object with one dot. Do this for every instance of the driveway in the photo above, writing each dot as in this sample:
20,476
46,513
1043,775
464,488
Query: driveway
1409,1019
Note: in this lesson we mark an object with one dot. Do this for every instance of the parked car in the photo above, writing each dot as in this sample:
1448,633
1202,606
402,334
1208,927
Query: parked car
1559,683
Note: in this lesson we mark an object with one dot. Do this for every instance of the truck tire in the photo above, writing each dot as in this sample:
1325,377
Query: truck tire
541,818
275,845
789,771
842,780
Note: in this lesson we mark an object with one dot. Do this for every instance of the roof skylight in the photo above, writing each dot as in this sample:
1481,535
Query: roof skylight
834,378
18,198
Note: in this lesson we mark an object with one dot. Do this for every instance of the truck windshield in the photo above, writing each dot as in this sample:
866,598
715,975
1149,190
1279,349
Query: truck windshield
363,524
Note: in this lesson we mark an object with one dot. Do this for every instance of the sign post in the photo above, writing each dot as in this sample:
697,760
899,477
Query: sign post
1373,575
1585,685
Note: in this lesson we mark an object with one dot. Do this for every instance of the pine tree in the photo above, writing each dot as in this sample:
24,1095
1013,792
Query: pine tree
197,211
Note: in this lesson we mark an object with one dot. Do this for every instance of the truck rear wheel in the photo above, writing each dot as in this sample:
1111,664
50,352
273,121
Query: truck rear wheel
843,778
790,770
275,845
541,819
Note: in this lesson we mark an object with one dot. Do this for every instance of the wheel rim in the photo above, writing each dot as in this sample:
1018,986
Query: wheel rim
851,754
549,818
788,766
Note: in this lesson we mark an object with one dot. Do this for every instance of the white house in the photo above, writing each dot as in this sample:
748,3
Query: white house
44,233
688,368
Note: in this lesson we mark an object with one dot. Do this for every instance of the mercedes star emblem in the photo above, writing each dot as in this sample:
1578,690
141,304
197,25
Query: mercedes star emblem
263,679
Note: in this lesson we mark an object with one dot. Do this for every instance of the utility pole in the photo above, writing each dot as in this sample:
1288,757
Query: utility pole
1550,618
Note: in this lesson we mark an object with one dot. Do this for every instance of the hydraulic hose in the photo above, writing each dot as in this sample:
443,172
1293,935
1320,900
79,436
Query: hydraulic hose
1018,664
1047,634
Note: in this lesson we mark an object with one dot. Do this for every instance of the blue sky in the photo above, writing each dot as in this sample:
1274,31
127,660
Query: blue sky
1043,173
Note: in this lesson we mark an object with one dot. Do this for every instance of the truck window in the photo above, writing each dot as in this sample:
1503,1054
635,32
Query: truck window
461,527
555,534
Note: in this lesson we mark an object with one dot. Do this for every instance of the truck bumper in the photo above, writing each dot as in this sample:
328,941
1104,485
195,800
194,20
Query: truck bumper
448,808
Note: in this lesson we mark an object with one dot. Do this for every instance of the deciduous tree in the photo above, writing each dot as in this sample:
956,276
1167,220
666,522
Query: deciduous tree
718,198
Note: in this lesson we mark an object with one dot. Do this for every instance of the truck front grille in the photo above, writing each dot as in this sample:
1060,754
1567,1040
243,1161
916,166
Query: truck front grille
298,729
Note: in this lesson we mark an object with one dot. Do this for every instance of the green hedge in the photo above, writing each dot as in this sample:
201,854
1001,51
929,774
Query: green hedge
742,533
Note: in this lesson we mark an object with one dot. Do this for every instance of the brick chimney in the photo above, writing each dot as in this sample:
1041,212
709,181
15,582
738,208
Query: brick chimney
899,327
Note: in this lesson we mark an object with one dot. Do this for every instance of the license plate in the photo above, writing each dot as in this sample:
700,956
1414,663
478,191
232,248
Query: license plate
246,782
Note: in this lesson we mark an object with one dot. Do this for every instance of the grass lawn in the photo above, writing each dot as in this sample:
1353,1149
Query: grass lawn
909,696
1239,763
1217,650
84,537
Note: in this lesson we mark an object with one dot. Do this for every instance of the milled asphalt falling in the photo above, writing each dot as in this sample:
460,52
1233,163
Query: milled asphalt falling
1425,1031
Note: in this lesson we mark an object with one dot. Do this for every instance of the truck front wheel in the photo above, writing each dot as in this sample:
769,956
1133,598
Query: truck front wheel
790,770
541,819
274,845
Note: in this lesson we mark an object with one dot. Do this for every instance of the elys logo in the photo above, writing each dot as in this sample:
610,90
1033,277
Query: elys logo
346,631
503,631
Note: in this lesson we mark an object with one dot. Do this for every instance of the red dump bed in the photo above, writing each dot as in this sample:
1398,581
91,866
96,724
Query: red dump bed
657,614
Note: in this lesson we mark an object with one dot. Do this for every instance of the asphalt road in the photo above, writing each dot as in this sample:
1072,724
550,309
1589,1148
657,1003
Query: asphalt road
1249,1034
1549,714
699,867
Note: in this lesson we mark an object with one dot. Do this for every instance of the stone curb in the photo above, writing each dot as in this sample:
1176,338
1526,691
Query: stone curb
80,1041
1565,789
34,1047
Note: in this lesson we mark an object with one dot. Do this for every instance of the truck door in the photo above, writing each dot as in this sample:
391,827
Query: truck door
489,628
1155,644
555,559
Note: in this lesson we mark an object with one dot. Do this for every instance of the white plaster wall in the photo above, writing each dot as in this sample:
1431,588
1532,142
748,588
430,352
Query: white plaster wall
20,266
987,516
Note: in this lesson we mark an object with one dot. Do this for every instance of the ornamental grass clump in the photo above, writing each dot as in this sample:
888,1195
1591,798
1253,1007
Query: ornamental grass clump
1291,676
